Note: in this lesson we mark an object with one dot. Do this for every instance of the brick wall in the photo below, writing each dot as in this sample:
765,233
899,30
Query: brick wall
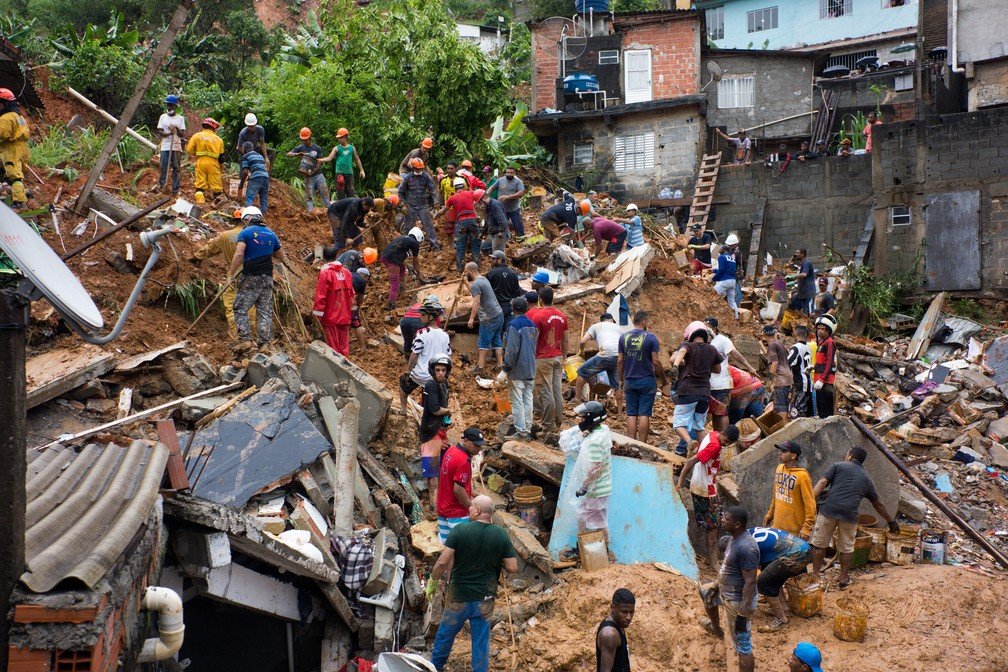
957,152
674,64
674,42
812,203
828,201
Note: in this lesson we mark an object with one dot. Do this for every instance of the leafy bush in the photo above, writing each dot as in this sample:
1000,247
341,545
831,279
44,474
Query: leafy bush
543,9
516,56
107,74
59,148
636,5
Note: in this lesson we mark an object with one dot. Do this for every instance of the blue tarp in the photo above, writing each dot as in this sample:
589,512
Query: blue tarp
647,519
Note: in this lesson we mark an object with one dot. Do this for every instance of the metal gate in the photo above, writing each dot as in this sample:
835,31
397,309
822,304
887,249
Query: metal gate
952,232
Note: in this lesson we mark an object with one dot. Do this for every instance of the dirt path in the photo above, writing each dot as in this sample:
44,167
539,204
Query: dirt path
923,617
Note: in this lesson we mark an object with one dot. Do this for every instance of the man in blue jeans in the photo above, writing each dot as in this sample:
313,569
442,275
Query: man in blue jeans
639,369
476,552
254,172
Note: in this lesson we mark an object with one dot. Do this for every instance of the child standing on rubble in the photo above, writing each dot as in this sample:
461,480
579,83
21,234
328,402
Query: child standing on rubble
434,425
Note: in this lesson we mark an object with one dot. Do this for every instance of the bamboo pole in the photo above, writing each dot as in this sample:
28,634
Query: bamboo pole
109,118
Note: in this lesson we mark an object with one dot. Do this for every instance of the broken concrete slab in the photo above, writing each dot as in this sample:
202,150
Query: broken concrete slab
56,372
424,539
262,439
998,455
973,379
912,505
538,458
646,515
111,205
338,376
824,442
263,367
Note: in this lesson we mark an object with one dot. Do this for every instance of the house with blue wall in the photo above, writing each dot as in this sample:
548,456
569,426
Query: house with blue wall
848,29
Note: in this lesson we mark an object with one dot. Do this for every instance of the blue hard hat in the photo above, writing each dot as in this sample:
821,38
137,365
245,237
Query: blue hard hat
809,654
171,99
541,276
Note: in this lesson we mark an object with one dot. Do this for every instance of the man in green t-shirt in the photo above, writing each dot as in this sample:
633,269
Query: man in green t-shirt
346,159
476,551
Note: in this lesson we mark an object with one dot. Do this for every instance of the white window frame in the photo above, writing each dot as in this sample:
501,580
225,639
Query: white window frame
581,147
899,215
715,28
846,8
634,152
904,82
608,57
736,91
766,15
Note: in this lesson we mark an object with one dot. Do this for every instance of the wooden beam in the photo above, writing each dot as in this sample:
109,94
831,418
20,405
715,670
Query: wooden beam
756,240
176,468
57,372
153,67
922,337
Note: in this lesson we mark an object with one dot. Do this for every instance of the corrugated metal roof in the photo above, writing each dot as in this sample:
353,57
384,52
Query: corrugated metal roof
84,509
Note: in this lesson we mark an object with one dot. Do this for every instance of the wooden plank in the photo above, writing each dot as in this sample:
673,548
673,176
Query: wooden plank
536,457
756,241
648,452
57,372
381,476
866,238
922,337
144,357
176,468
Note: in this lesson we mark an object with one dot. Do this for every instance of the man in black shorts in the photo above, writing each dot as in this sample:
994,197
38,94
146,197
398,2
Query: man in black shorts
782,556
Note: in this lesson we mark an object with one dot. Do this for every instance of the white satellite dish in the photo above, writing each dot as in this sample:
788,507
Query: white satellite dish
715,72
46,271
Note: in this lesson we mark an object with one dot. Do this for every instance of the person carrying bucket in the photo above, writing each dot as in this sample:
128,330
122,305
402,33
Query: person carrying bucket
594,491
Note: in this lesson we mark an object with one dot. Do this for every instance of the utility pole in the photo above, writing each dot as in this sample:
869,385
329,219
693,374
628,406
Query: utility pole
157,58
13,323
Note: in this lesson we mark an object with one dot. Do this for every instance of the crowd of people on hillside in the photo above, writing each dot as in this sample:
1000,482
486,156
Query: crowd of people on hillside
523,343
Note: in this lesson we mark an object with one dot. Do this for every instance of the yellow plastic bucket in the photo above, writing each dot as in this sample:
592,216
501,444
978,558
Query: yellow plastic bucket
528,499
851,619
571,366
804,595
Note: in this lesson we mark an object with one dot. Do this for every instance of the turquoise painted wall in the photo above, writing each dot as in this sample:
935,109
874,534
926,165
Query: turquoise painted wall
798,22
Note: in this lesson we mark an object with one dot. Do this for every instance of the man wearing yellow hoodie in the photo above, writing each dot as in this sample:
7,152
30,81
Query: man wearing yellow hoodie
793,507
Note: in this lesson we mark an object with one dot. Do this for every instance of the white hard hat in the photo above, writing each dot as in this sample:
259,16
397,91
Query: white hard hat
732,239
251,211
632,206
250,119
417,233
459,182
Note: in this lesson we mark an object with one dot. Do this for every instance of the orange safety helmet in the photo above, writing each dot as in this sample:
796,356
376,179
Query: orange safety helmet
236,214
416,162
467,164
393,200
370,255
427,143
6,94
342,133
585,207
305,133
211,122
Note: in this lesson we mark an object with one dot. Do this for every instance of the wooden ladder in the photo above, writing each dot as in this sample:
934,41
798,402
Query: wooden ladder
703,195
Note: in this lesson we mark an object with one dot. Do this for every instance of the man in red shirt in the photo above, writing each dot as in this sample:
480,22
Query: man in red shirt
467,231
551,346
703,469
334,300
454,490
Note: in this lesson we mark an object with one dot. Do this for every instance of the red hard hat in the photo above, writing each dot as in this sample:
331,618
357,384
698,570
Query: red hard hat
211,122
6,94
393,200
305,133
427,143
479,194
416,162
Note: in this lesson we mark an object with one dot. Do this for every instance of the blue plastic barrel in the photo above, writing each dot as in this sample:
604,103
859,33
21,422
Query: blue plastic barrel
579,81
597,6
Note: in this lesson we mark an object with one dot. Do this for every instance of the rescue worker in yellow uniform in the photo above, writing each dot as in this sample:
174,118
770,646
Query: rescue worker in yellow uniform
224,244
14,153
208,149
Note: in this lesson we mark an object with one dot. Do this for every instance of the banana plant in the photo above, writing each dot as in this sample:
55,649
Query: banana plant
112,34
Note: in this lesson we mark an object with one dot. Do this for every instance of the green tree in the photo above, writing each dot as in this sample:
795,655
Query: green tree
516,55
387,71
246,36
543,9
636,5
